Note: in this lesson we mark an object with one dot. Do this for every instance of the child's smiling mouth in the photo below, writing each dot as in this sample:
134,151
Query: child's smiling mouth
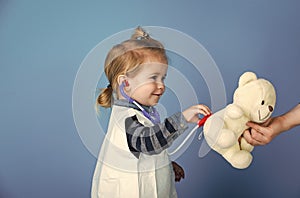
157,94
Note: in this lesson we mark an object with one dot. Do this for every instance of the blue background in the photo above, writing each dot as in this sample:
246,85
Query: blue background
42,44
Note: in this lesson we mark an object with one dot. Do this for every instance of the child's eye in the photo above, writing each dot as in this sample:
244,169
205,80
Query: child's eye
153,77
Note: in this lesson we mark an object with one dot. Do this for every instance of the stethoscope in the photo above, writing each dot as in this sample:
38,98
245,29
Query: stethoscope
155,118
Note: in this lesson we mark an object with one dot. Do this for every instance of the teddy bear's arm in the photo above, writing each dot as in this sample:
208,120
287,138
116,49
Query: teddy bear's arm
233,111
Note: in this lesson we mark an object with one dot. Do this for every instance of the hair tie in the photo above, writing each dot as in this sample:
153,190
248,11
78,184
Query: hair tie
108,86
144,36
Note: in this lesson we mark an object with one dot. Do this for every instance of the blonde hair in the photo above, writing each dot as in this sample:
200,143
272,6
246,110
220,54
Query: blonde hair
125,58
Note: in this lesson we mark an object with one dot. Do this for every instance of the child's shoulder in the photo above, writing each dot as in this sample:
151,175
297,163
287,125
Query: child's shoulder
127,112
123,110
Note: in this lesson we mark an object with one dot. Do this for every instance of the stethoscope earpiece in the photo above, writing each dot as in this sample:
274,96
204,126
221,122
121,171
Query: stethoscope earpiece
126,84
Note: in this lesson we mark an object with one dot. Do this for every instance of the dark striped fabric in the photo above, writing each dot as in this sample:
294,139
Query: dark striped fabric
153,140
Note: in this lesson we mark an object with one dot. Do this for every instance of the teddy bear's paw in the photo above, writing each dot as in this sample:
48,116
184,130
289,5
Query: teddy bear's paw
241,159
246,146
226,139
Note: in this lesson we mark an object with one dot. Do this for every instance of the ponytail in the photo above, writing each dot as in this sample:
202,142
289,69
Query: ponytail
105,97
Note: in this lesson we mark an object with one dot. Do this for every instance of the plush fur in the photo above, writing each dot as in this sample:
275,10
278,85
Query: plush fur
253,100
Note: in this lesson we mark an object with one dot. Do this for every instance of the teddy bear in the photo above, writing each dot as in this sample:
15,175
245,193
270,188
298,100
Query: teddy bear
253,100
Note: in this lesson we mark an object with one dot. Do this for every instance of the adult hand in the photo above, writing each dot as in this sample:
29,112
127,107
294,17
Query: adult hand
260,134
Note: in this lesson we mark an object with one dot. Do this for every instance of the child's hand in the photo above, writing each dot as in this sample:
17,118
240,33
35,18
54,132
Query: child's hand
179,172
192,114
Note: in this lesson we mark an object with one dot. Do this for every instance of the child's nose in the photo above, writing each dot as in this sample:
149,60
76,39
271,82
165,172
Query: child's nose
160,85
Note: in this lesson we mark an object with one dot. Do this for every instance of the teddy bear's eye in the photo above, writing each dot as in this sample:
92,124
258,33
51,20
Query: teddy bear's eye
262,102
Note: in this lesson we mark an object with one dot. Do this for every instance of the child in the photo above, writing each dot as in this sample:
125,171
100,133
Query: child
133,161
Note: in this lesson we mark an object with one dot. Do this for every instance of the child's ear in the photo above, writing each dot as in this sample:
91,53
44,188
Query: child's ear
123,79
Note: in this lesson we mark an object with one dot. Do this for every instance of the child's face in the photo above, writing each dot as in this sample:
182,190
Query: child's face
147,86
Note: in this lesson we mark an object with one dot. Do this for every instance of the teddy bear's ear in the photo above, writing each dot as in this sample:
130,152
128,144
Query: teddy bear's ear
246,78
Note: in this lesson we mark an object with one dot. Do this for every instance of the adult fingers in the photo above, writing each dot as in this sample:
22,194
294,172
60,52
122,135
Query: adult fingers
254,126
250,139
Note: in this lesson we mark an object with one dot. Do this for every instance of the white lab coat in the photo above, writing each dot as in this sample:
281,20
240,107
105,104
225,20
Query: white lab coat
119,174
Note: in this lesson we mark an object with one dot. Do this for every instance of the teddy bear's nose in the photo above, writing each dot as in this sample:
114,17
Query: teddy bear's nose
270,108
